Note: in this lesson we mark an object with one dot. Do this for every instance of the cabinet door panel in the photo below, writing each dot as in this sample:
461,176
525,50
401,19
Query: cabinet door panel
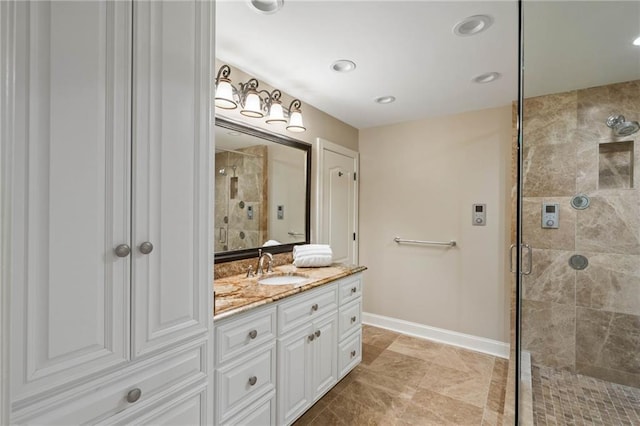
325,363
171,148
70,294
294,366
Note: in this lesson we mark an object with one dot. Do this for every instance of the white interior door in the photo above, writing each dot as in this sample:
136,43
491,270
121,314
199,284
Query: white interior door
71,177
338,201
172,85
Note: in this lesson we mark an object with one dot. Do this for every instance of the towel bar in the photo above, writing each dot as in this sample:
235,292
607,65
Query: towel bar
399,240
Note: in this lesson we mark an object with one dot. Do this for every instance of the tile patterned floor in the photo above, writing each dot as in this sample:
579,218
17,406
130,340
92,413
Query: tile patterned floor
407,381
564,398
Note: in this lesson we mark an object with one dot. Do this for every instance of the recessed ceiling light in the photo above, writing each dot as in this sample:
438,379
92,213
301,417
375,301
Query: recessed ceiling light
234,133
636,42
266,7
343,65
472,25
487,77
385,99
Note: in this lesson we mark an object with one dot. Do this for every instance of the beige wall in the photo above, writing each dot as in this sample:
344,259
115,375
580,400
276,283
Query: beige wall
418,181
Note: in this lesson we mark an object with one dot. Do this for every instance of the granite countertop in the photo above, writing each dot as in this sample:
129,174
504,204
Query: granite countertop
237,293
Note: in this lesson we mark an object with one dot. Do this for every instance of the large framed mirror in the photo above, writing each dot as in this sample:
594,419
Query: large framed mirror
262,191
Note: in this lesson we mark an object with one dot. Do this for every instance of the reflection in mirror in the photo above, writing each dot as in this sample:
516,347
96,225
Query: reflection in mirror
262,190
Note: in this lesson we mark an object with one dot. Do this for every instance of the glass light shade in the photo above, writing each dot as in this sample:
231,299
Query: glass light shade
252,106
295,122
224,96
276,114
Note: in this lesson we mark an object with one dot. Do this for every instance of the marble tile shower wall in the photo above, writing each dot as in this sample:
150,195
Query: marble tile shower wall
584,321
240,232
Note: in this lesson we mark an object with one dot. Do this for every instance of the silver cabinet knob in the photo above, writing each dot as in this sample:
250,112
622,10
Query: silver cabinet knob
353,353
122,250
353,319
311,337
318,333
253,380
314,307
134,395
253,334
354,289
146,247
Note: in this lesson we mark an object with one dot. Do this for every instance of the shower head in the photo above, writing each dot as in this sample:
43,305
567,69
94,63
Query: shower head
222,172
621,127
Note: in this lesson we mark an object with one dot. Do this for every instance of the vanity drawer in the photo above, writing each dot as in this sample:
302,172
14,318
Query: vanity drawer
349,318
350,288
304,308
108,396
241,383
349,354
260,413
238,335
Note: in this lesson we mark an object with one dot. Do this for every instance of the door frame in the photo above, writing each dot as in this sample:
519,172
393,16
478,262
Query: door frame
319,148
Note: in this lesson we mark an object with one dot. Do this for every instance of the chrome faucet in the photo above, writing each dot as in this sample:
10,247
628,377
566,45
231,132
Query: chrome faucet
261,256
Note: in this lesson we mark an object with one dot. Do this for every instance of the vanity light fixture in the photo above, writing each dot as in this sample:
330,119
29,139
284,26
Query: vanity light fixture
487,77
636,42
256,103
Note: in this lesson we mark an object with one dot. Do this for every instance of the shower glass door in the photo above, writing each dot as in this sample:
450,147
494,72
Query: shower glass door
579,213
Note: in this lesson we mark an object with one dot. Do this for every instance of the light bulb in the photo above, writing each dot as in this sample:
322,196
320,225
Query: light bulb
276,114
224,95
252,106
295,122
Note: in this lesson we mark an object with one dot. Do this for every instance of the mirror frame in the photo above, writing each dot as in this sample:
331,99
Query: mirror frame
235,126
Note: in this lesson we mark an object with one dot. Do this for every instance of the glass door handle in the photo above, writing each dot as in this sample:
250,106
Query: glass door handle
529,260
513,246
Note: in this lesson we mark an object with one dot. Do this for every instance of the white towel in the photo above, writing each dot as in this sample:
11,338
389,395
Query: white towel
312,255
271,243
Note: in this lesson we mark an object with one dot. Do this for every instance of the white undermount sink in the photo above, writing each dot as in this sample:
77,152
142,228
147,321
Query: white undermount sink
283,279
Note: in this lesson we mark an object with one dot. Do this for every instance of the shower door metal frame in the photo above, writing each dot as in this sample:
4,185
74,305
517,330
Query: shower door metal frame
519,192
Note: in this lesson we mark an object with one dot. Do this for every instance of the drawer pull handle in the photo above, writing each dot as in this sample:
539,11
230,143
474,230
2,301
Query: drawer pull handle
314,307
311,337
353,289
353,353
318,333
253,380
134,395
253,334
353,319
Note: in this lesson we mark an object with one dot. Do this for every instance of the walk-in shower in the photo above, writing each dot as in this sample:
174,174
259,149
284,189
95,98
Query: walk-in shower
579,280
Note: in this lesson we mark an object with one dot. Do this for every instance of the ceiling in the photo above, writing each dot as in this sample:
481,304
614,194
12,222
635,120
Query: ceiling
407,49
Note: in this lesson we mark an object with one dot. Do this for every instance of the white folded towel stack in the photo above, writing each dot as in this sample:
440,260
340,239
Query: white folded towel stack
312,255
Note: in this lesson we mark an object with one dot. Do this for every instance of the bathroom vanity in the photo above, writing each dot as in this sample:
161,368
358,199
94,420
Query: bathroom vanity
280,348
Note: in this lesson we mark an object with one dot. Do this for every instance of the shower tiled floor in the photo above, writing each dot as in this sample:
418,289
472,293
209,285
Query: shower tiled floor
407,381
564,398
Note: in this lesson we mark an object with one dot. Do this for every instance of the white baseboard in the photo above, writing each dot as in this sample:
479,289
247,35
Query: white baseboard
467,341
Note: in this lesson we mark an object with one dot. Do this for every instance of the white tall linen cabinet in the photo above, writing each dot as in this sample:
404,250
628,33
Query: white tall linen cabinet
106,118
